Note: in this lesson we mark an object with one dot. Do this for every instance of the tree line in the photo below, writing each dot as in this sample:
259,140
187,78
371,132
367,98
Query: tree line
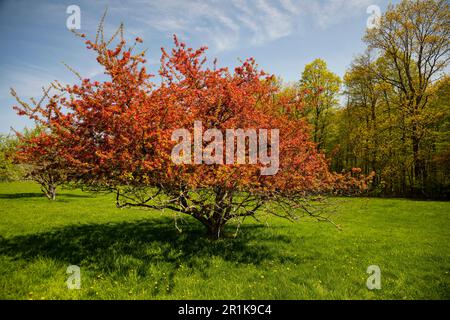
394,114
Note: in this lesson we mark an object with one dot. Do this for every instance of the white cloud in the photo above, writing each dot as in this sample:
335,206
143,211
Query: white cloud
225,25
289,6
334,11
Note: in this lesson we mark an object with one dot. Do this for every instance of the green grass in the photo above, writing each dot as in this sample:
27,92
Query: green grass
138,254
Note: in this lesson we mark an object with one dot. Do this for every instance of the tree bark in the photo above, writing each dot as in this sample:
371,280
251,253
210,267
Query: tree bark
50,192
215,230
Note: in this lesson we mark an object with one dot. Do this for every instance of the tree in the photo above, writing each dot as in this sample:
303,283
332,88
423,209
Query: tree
9,171
394,121
364,93
439,139
39,152
118,136
322,88
413,39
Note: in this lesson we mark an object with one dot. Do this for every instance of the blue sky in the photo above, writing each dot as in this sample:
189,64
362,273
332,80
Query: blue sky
282,35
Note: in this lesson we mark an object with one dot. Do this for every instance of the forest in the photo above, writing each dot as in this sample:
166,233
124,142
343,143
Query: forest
390,113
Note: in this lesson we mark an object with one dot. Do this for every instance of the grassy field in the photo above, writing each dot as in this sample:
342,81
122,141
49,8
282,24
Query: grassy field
137,254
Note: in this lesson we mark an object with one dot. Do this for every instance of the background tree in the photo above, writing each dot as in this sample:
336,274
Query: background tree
321,88
395,118
360,123
9,171
38,149
438,164
413,39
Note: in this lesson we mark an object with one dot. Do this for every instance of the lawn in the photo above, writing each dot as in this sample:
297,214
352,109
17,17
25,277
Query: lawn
138,254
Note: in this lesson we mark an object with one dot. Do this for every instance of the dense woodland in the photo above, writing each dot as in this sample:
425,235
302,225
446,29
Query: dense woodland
390,114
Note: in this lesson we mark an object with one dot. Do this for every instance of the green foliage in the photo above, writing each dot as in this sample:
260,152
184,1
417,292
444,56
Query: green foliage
395,121
137,254
9,171
321,88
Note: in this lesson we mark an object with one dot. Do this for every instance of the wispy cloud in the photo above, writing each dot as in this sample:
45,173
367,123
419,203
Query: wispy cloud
331,12
222,25
37,38
226,25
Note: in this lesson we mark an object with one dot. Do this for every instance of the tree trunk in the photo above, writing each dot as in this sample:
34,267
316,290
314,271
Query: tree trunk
215,230
51,192
214,227
418,165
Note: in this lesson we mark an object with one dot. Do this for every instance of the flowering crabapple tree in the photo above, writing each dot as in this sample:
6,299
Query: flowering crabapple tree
118,136
37,152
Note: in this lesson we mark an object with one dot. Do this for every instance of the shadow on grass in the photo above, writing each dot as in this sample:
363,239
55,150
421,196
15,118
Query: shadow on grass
117,248
21,195
40,195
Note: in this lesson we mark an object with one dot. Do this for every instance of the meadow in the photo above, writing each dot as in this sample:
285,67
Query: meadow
139,254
